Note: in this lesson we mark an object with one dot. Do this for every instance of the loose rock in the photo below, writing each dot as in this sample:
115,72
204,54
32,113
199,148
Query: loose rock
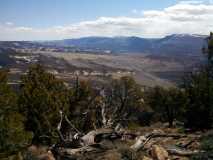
147,158
159,153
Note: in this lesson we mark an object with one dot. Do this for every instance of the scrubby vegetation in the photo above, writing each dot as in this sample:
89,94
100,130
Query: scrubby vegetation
168,103
13,135
45,110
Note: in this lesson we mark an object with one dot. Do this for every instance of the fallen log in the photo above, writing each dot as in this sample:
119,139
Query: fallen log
140,142
97,136
182,152
78,151
143,140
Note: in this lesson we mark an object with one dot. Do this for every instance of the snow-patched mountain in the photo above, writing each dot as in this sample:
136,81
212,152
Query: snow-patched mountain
176,44
172,44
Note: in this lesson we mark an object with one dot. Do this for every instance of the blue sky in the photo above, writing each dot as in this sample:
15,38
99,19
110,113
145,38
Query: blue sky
58,19
46,13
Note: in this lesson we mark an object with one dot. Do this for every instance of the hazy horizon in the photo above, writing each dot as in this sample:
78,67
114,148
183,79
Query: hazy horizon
185,34
66,19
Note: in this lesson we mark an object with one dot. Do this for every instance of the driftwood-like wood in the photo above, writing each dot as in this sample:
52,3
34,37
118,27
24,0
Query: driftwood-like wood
140,142
143,140
78,151
59,127
182,152
81,143
96,136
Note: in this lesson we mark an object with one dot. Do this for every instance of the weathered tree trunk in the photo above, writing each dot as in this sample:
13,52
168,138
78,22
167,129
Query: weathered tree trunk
143,140
182,152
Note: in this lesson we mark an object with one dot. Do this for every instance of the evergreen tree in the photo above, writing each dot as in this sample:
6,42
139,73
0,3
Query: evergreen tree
13,136
167,103
41,99
81,104
199,89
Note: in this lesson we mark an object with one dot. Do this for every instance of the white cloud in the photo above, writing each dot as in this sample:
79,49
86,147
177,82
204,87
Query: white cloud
183,17
9,23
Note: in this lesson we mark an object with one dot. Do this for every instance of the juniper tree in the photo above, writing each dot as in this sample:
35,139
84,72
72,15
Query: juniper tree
199,89
168,104
42,96
13,136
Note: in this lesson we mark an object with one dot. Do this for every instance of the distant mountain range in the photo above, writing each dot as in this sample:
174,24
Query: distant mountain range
177,44
173,44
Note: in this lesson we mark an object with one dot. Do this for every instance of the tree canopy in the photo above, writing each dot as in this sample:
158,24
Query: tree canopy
12,130
42,96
